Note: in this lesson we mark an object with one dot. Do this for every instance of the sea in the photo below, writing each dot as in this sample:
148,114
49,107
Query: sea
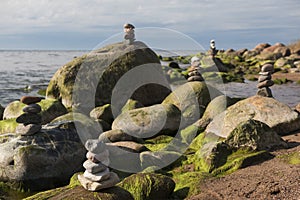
26,72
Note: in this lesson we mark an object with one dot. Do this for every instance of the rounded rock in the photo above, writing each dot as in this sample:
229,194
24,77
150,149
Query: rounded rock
266,83
30,99
267,68
32,108
29,129
29,118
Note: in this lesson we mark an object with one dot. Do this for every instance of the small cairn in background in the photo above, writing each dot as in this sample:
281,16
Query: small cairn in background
194,70
129,33
265,81
30,120
97,175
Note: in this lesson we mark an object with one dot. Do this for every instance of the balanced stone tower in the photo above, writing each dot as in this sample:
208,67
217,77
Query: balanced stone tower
265,81
129,33
194,73
30,121
97,175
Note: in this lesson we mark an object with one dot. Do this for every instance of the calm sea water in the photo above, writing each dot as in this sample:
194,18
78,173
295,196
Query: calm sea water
19,69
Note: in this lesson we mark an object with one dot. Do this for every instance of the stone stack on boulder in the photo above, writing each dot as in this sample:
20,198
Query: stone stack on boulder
97,175
265,81
194,74
30,121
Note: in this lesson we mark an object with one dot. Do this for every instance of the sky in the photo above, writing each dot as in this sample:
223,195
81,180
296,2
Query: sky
85,24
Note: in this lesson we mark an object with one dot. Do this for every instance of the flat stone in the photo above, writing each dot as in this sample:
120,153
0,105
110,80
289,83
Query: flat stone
30,99
264,78
265,73
94,168
266,83
194,73
267,68
29,118
116,136
265,92
130,146
32,108
29,129
96,186
95,146
195,78
97,177
96,158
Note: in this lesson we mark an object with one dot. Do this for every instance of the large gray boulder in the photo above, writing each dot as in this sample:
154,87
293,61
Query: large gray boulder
149,121
280,117
43,161
192,98
91,79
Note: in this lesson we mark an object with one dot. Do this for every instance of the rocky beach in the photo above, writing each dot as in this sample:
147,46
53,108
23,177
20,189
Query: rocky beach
116,123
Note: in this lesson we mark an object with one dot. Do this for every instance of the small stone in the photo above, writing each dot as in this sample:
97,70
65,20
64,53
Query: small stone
32,108
29,118
30,99
265,73
264,78
195,78
29,129
96,186
116,136
98,177
130,146
194,73
96,158
267,68
266,83
94,168
95,146
265,92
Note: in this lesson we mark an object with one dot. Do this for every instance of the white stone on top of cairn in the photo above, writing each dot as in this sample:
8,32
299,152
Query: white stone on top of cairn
95,146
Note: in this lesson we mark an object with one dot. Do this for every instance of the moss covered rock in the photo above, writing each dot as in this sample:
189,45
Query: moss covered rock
8,126
192,98
98,72
280,117
45,160
149,121
131,104
75,191
102,112
148,186
51,109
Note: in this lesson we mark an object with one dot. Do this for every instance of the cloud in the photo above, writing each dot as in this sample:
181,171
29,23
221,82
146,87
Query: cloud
106,17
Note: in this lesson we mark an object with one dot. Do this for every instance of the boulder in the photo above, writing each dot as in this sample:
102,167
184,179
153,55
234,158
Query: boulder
43,161
103,113
280,117
246,141
131,104
148,186
149,121
8,126
51,109
215,107
76,191
96,74
192,98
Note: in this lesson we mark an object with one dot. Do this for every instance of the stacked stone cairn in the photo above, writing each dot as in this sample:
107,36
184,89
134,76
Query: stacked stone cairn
30,121
194,71
265,81
97,175
129,33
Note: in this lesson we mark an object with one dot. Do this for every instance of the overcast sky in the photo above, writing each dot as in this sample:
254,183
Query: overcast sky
83,24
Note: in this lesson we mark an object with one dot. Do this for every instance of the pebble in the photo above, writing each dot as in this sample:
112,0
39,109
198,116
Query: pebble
266,83
32,108
267,68
265,92
96,186
195,78
265,73
97,177
29,118
264,78
29,129
93,168
96,158
30,99
95,146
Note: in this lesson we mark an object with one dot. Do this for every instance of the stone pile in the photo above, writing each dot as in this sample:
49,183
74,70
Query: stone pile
194,74
265,81
30,120
97,175
129,33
